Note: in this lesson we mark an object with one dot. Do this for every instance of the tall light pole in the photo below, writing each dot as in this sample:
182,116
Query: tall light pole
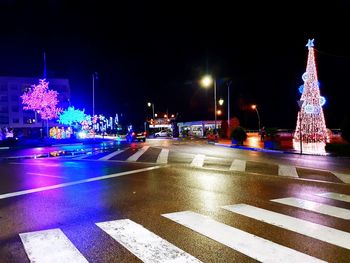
228,102
94,75
206,82
254,107
149,104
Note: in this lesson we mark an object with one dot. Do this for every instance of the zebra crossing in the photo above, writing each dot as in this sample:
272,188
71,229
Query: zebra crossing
53,245
165,156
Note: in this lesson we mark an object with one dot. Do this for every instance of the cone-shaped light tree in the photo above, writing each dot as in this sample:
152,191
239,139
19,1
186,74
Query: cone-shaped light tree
310,117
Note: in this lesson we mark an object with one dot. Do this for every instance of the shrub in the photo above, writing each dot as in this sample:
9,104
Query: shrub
239,135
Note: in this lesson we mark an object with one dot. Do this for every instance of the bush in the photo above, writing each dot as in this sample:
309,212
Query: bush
239,135
338,149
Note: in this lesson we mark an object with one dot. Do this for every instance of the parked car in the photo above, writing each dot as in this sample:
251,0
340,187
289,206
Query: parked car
162,133
136,136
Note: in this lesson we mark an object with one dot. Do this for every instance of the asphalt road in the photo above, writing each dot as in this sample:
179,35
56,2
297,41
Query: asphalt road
167,200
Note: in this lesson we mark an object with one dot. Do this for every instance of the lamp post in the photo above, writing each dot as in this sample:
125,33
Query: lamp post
94,75
206,82
228,102
300,104
254,107
149,104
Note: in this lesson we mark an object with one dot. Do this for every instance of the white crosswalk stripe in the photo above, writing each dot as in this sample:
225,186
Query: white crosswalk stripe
50,246
315,207
144,244
238,165
137,155
320,232
246,243
286,170
163,156
111,155
343,177
198,161
336,196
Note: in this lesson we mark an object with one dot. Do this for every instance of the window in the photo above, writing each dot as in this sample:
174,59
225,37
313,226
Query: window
4,109
14,98
15,120
4,120
3,98
15,108
3,87
14,87
26,88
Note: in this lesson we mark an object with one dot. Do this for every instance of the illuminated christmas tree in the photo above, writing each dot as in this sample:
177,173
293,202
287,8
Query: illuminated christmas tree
42,100
71,116
311,125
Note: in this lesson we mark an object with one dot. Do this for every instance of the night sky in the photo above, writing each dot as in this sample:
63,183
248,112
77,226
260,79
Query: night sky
157,51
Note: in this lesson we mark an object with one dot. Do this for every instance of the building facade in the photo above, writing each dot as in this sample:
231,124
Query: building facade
12,114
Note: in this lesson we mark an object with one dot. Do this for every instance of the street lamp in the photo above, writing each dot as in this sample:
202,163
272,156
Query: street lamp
221,101
94,76
149,104
254,107
206,82
228,102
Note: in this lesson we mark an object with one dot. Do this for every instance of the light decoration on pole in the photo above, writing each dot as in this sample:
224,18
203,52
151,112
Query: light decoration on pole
312,130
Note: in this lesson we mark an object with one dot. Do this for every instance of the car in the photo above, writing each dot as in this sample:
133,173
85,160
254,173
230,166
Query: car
136,136
162,133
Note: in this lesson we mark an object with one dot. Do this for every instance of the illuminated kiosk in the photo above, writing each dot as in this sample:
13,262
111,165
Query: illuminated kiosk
311,133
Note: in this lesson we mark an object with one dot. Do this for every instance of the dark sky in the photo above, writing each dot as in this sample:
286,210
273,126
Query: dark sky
150,51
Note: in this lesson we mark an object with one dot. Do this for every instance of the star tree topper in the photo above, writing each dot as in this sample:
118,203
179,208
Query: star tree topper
310,43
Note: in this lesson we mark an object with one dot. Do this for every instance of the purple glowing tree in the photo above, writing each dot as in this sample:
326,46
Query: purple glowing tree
42,100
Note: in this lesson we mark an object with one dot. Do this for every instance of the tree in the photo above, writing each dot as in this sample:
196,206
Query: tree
71,116
310,119
42,100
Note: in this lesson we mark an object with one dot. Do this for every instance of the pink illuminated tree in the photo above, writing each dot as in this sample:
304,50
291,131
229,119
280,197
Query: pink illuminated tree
42,100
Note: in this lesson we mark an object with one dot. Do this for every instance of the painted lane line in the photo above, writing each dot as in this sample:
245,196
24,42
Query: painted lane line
198,160
238,165
137,155
38,163
343,177
286,170
315,207
253,246
336,196
45,188
46,175
163,156
111,155
143,243
4,148
50,246
320,232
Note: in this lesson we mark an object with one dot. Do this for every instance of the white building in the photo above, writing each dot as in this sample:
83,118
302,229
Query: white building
12,114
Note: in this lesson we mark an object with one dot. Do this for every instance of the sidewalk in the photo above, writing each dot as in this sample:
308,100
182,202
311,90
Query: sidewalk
252,143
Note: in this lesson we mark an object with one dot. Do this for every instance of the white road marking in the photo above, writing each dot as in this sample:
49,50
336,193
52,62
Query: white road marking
238,165
286,170
320,232
198,160
343,177
111,155
38,163
4,148
46,175
336,196
315,207
45,188
163,156
137,155
144,244
253,246
50,246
